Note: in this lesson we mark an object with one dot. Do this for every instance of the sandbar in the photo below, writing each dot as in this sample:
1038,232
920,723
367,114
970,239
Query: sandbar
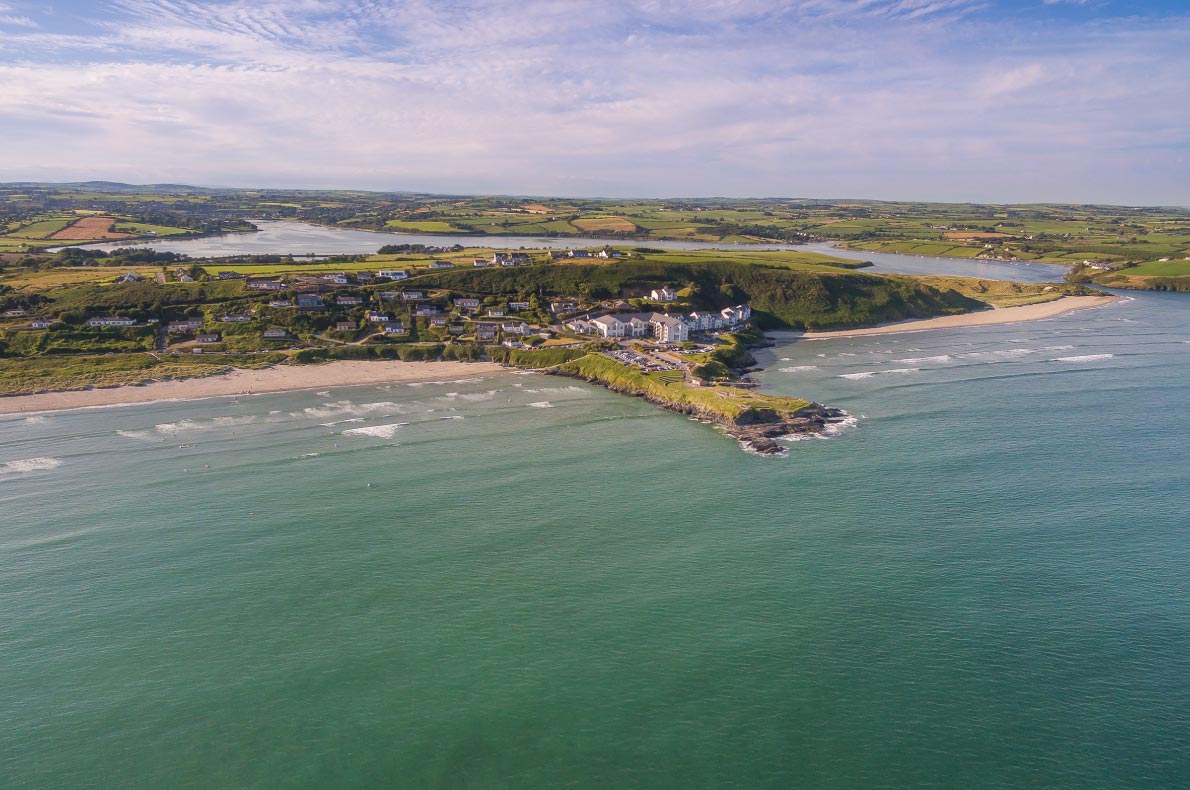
998,315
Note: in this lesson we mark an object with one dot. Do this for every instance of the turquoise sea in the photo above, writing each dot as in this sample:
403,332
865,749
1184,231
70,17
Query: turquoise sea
517,581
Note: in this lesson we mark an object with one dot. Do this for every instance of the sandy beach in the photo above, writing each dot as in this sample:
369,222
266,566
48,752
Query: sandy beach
283,378
999,315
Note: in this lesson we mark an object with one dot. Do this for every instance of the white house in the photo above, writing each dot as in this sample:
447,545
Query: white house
266,285
467,304
609,326
517,328
582,326
40,323
736,315
441,265
393,274
378,318
211,338
274,334
395,328
235,318
337,279
669,329
701,321
184,326
479,263
129,277
665,294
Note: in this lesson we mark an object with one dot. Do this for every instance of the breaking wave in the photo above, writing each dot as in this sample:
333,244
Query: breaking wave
798,368
1084,358
542,404
376,431
29,465
869,373
346,408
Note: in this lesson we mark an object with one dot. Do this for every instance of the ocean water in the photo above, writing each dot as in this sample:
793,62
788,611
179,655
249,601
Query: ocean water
521,581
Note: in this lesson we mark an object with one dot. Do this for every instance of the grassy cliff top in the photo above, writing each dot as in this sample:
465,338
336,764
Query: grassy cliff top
731,404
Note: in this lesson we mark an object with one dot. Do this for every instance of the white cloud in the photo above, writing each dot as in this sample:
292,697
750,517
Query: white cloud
807,97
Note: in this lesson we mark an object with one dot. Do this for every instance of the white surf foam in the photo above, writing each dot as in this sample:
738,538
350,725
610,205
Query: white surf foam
542,404
376,431
926,360
172,428
346,408
798,368
26,465
1084,358
869,373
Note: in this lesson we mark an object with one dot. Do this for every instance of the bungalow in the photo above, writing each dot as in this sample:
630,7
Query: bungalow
412,296
183,277
496,312
441,265
664,294
390,295
518,328
395,328
16,312
467,304
438,320
310,302
485,331
513,344
275,334
479,263
214,337
129,277
344,301
565,306
111,321
230,276
364,277
456,329
378,318
393,274
187,325
337,279
428,310
579,254
345,326
280,303
234,318
40,323
557,255
518,306
608,252
266,285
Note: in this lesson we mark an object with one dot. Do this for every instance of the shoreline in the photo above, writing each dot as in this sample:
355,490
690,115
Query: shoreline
997,315
279,378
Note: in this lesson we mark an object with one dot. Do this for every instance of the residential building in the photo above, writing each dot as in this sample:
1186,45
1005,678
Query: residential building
736,315
337,279
395,328
235,318
479,263
375,317
467,304
345,326
485,331
266,285
428,310
213,337
111,321
187,325
275,334
518,328
129,277
518,306
310,302
438,320
16,312
702,321
441,265
669,329
346,301
608,252
412,296
40,323
393,274
280,303
664,294
496,312
230,276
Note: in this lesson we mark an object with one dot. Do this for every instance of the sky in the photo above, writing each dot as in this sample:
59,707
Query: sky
951,100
